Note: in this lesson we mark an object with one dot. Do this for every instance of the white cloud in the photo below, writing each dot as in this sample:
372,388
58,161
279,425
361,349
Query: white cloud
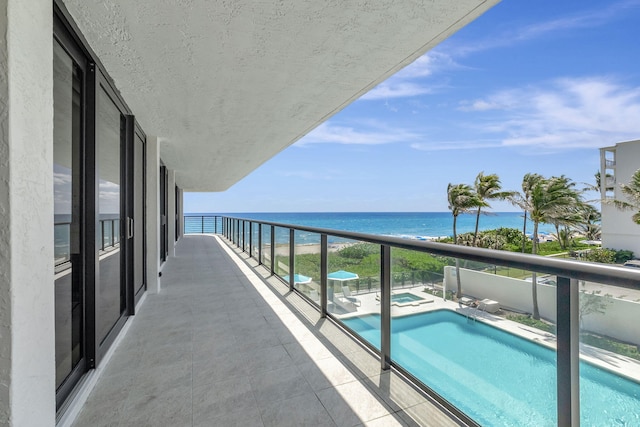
61,178
568,113
391,89
454,145
409,81
373,134
592,18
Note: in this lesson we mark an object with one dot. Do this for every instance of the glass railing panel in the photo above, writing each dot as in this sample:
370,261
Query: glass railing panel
247,235
281,261
208,224
610,361
255,233
307,265
266,245
495,370
353,286
193,224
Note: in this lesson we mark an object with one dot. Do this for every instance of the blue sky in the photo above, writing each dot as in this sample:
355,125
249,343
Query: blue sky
530,86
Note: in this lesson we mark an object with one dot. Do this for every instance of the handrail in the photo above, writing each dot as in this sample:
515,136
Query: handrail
580,270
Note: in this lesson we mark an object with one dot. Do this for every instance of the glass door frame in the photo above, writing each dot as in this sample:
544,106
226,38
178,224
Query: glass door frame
102,345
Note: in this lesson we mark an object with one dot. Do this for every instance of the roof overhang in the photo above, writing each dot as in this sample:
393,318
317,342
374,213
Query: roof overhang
226,85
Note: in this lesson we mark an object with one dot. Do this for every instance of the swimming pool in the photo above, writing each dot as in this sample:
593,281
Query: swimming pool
495,377
405,297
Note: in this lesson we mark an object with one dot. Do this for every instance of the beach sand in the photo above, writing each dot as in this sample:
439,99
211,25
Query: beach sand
309,248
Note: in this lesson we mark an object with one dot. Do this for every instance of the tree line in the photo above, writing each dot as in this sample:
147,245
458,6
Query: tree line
552,200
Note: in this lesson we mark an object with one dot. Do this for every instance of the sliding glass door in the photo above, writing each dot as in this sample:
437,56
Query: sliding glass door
110,290
99,209
68,103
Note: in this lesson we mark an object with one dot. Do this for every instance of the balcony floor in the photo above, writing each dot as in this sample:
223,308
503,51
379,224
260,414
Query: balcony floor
225,345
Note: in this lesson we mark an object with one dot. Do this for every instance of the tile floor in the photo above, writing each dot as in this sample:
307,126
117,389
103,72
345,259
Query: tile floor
224,345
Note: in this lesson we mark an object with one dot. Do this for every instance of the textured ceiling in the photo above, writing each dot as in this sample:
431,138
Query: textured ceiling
227,84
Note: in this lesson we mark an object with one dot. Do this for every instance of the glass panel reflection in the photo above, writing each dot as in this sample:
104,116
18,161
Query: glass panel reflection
109,289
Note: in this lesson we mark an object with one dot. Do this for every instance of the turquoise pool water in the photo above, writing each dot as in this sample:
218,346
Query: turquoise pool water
497,378
405,297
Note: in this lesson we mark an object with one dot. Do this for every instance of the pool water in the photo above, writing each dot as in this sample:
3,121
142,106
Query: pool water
405,297
495,377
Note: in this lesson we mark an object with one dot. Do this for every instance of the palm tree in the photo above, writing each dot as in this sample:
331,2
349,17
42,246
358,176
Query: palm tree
523,200
549,198
462,199
487,187
589,217
632,191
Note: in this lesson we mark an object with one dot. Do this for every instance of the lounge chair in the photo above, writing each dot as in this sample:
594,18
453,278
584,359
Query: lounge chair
346,292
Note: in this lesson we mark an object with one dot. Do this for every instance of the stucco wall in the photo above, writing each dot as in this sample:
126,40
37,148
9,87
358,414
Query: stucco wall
27,365
516,294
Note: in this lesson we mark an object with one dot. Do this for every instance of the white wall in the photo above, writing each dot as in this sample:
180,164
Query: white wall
27,348
509,292
618,322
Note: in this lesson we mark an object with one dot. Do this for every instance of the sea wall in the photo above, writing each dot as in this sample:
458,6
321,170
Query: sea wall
515,294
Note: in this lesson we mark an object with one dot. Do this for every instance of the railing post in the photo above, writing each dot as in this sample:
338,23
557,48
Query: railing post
273,249
324,271
215,224
102,233
259,243
385,306
250,239
202,224
568,352
243,236
292,258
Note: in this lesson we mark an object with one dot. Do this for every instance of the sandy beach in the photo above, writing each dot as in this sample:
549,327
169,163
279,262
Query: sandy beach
309,248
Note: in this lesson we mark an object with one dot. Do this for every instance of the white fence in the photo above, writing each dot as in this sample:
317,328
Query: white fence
619,320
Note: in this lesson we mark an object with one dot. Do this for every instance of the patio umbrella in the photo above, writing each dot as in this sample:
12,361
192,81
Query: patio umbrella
298,279
342,276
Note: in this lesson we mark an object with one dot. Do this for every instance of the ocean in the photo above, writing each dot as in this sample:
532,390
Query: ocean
412,225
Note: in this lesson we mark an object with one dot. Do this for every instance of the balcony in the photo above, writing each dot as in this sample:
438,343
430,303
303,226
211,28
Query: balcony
223,344
228,341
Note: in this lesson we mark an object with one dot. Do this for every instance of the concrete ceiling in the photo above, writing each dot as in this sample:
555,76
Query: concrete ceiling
227,84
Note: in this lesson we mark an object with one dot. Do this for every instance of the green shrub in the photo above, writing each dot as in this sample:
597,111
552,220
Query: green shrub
605,256
623,256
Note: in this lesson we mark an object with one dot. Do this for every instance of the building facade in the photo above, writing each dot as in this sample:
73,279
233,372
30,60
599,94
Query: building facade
618,163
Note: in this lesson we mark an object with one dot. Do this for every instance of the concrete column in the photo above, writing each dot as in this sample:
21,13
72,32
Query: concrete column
180,212
171,212
27,304
153,215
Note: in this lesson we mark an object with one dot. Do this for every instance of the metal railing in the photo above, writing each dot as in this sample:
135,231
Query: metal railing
242,232
199,224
